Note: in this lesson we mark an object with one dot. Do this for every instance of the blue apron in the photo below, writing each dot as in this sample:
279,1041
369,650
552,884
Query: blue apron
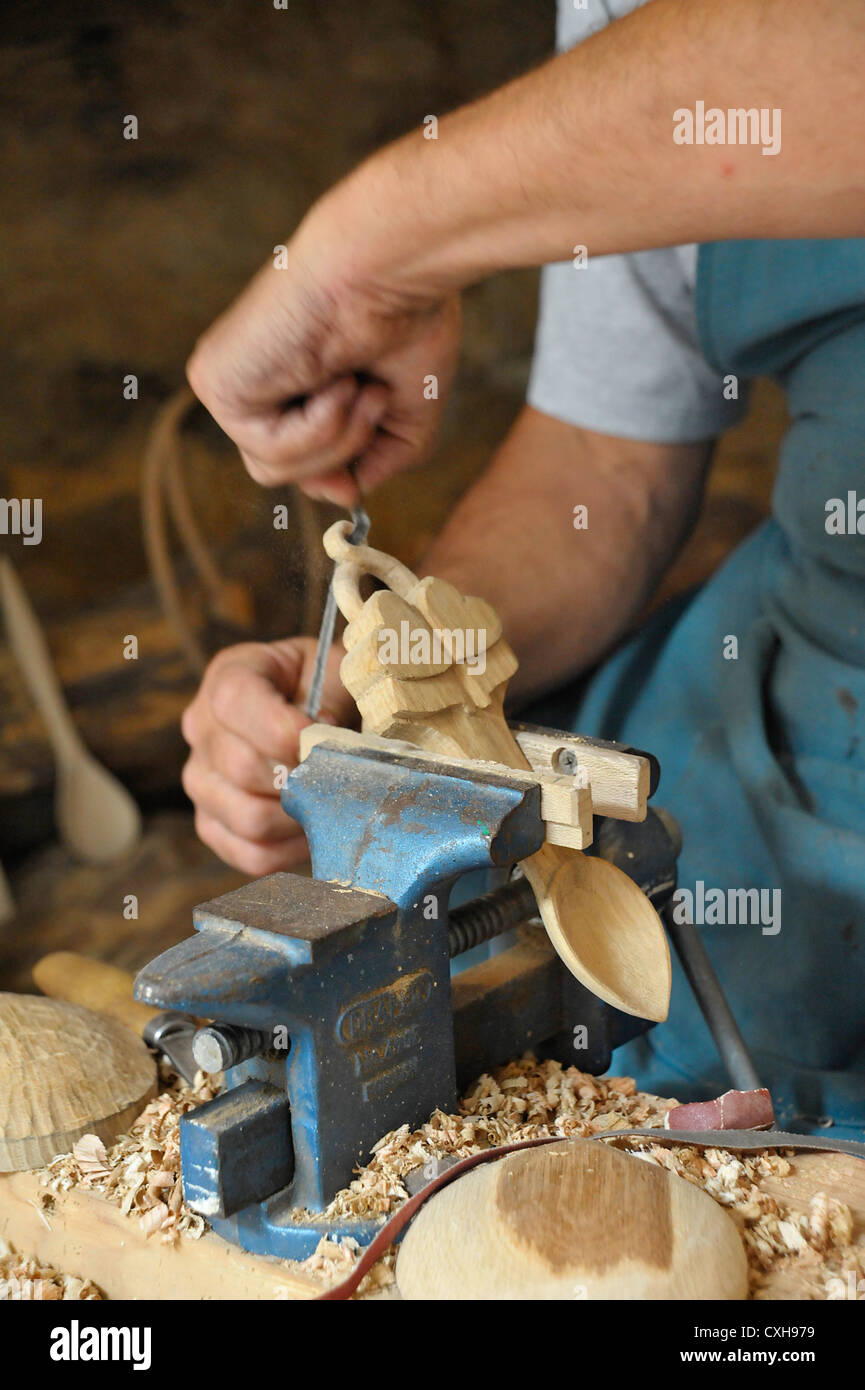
762,740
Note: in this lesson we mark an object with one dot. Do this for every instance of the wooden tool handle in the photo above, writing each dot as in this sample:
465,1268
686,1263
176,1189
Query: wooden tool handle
104,988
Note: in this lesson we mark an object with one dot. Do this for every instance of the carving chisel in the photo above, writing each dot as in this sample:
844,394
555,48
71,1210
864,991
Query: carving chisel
328,620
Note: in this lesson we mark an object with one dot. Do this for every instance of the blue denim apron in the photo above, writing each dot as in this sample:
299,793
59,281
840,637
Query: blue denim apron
763,754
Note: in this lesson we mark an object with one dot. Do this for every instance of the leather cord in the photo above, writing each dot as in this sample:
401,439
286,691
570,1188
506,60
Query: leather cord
735,1140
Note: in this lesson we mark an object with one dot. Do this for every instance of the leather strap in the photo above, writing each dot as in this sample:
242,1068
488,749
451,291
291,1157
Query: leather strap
737,1140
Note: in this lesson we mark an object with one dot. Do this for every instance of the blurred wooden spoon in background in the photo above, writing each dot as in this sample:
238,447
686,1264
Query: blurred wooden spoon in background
96,817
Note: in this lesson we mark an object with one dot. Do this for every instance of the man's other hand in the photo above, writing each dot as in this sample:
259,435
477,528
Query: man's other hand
243,729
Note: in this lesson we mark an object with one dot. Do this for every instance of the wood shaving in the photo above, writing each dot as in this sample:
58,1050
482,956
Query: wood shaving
25,1281
89,1153
525,1099
777,1238
141,1171
333,1261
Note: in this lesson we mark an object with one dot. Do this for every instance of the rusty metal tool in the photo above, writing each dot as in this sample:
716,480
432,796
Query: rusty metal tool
335,1017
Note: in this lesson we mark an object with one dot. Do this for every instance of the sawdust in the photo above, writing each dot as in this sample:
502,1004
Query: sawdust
818,1244
523,1100
526,1099
26,1281
333,1261
532,1100
140,1172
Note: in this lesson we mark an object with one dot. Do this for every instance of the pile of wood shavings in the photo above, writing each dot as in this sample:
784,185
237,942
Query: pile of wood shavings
523,1100
526,1099
333,1261
141,1171
27,1281
532,1100
819,1241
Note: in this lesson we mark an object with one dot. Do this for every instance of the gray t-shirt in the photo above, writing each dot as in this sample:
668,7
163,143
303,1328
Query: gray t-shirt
617,348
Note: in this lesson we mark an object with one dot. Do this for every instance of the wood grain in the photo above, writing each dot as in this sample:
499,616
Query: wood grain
574,1220
79,1232
65,1072
619,781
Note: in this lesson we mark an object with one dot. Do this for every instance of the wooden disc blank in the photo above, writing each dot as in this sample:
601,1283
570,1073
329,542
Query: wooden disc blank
64,1072
575,1220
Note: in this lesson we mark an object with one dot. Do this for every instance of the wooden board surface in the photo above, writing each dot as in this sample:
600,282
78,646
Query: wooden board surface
86,1235
81,1233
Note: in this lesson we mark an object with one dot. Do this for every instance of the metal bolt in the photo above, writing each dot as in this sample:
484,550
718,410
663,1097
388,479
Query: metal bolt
565,760
223,1045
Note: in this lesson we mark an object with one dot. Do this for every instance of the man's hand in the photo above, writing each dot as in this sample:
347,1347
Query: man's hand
243,725
316,366
326,359
330,357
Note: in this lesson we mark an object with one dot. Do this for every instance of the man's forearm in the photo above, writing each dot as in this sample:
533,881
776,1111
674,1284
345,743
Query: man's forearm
581,150
566,593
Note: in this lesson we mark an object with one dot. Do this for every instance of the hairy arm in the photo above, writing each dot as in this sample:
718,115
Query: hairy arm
581,150
323,360
566,595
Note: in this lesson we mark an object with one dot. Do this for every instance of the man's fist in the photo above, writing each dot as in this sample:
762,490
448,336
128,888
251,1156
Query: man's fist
313,368
242,727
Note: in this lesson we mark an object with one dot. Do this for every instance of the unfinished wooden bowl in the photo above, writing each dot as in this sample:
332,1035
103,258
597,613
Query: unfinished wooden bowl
575,1220
64,1072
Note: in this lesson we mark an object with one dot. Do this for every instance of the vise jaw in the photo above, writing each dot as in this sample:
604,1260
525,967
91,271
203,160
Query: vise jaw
343,983
346,975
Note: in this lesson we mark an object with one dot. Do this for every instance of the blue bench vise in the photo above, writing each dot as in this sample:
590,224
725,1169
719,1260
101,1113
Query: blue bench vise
334,1014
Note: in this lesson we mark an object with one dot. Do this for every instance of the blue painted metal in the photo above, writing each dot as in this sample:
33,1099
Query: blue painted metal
347,975
350,968
237,1150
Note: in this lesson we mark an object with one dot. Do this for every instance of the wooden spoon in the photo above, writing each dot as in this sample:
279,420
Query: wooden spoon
96,817
600,923
575,1220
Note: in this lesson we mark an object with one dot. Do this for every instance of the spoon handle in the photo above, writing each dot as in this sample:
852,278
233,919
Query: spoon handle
7,902
27,641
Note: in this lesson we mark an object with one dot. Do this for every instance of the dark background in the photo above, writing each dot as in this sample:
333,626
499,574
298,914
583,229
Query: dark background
116,254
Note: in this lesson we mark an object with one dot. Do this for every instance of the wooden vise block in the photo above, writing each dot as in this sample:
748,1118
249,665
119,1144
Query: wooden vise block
619,781
566,808
430,666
